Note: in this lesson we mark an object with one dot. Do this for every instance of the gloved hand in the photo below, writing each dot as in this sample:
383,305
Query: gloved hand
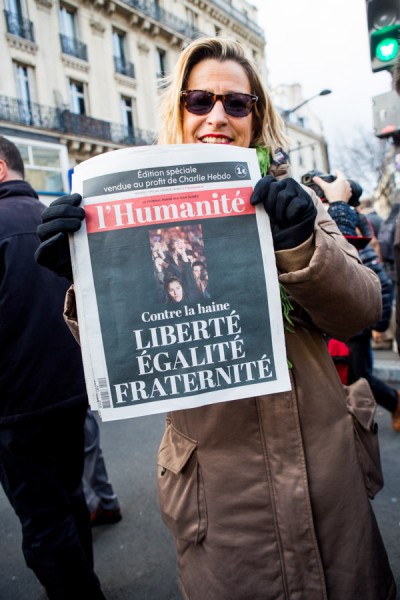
63,216
290,209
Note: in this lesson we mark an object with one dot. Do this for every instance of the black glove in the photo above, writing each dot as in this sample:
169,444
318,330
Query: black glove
63,216
290,209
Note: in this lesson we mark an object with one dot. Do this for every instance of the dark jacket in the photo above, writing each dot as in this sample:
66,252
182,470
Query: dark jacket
348,221
40,362
397,264
370,259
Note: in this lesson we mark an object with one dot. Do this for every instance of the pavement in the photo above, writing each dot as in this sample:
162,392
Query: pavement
387,366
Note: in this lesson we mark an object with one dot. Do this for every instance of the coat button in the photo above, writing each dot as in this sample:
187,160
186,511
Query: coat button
163,471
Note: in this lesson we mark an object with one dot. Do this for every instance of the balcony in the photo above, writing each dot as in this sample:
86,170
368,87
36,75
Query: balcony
124,67
164,17
18,26
85,126
239,16
150,9
22,112
73,47
131,136
61,119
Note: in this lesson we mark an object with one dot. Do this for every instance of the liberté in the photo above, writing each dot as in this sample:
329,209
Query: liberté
181,333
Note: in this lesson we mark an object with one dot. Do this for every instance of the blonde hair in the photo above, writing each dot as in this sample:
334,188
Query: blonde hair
268,125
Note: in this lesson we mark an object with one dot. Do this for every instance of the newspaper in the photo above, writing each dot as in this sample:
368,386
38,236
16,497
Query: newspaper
177,291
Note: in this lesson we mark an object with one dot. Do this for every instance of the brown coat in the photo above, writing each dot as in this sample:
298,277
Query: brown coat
265,496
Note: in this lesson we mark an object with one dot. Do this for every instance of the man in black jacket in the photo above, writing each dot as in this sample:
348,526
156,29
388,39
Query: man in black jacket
43,400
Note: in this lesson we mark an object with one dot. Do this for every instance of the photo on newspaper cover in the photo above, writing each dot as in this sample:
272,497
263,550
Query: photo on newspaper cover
177,292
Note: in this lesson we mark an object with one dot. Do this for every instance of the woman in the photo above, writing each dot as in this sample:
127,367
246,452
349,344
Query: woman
173,288
265,496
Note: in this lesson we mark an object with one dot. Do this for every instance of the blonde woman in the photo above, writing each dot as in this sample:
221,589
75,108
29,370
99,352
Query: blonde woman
266,497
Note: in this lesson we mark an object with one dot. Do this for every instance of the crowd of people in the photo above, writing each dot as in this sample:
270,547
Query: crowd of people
265,497
179,264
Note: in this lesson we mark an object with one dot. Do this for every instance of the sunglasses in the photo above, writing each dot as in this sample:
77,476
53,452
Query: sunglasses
200,102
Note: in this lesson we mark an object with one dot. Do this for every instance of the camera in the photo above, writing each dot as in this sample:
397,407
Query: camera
356,189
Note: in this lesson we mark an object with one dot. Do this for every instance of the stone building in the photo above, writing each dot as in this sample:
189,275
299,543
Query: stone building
82,77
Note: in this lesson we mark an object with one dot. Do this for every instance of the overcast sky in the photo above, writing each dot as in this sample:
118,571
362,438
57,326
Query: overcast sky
324,44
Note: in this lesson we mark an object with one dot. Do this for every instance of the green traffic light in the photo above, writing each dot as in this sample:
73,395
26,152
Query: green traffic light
387,49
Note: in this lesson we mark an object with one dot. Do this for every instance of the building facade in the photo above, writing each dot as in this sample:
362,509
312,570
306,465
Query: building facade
308,150
82,77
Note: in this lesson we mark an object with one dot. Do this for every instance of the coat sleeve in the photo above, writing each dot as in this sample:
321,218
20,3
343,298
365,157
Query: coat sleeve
327,279
370,260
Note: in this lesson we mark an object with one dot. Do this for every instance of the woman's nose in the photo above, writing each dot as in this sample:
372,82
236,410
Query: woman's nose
217,114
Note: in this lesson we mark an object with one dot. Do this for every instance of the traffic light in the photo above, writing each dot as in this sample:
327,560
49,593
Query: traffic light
384,32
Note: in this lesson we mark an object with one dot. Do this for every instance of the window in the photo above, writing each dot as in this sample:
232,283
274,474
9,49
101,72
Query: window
17,19
161,62
299,148
119,45
17,8
24,79
69,36
314,159
121,62
191,18
77,97
68,22
46,166
127,115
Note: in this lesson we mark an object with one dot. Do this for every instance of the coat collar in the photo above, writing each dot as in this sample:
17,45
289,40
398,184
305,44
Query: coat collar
16,187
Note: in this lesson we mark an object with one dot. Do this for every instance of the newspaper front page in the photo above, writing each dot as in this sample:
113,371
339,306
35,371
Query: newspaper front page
176,284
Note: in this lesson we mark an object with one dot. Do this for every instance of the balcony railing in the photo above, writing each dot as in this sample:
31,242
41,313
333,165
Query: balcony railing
131,136
124,67
148,8
240,16
73,47
62,119
22,112
154,11
17,25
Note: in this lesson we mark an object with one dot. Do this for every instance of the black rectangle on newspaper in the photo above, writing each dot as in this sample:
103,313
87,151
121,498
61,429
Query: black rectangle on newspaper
161,177
202,343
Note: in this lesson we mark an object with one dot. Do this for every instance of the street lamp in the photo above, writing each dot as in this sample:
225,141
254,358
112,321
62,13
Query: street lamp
287,113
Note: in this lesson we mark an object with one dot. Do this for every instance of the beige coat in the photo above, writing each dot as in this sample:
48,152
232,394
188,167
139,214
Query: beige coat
266,497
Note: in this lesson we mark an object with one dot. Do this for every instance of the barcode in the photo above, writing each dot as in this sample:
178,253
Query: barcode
103,395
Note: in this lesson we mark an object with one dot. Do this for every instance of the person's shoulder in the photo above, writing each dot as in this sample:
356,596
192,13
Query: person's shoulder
20,214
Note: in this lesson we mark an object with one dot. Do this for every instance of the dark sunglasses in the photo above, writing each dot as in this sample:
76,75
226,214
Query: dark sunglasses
200,102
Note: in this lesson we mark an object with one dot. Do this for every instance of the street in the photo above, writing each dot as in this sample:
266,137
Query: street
135,559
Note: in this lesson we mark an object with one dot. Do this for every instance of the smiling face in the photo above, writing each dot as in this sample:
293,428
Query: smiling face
217,127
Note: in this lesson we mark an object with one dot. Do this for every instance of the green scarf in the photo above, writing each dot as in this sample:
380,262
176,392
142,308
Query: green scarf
264,161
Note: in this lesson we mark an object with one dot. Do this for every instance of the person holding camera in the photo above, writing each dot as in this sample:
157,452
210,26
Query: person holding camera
352,224
265,496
